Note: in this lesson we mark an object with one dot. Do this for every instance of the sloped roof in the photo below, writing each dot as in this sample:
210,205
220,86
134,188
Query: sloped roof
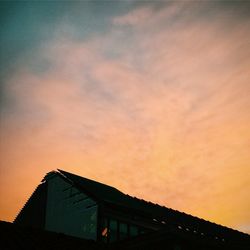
112,196
103,192
33,212
98,190
173,218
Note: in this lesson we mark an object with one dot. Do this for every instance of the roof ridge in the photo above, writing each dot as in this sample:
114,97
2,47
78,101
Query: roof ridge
90,180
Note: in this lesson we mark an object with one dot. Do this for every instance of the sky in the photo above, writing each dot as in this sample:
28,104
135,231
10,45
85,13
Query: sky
151,97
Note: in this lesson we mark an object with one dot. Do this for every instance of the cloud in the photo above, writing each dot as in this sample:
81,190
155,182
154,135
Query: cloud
157,106
135,17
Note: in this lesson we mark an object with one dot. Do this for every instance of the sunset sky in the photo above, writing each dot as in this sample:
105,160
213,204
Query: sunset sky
152,97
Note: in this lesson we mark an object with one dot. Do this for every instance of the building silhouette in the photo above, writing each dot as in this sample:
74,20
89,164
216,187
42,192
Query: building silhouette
75,206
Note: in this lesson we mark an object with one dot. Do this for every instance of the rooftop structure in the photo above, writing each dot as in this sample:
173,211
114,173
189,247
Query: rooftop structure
79,207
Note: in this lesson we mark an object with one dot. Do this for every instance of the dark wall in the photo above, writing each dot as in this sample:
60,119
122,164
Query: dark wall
34,211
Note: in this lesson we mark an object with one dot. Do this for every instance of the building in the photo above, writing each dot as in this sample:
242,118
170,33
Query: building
19,237
76,206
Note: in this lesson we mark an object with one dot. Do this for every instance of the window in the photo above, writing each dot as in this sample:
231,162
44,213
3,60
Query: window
89,223
123,231
133,231
112,230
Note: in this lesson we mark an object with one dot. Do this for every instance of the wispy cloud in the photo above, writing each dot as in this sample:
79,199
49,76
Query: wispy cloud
158,106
